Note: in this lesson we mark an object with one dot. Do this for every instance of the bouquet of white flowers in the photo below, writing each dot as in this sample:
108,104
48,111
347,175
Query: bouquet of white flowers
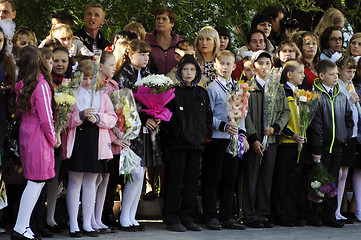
270,91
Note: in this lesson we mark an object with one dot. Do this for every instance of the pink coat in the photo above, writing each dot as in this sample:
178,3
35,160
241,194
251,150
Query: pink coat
108,119
36,134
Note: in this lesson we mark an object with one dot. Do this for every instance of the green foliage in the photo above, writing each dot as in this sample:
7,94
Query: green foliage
192,15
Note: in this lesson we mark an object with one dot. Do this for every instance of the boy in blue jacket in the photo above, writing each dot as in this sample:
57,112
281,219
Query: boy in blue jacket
219,168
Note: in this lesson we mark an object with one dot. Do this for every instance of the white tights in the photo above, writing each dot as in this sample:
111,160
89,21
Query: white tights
131,196
27,203
52,194
101,190
342,176
356,179
76,181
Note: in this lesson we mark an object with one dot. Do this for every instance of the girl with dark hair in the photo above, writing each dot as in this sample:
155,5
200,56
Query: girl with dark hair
61,65
225,38
331,42
33,100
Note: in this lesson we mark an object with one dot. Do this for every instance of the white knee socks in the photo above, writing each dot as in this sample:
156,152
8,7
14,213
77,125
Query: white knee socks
131,197
27,203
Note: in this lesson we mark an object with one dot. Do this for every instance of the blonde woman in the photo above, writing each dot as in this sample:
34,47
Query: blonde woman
332,17
136,28
354,47
285,51
207,46
64,34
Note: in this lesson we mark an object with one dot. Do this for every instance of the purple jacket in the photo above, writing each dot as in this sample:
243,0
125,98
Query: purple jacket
164,58
36,134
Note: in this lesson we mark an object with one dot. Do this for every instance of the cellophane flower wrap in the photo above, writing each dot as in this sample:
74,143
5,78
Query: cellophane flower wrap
129,124
270,92
306,109
320,184
65,98
237,108
154,92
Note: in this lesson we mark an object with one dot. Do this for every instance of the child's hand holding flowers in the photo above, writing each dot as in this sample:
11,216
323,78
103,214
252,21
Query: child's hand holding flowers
122,142
298,138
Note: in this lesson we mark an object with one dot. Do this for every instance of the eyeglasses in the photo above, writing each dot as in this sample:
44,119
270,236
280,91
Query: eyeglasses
336,39
310,43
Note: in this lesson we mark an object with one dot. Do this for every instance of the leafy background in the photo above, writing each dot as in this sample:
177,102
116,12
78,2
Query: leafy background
192,15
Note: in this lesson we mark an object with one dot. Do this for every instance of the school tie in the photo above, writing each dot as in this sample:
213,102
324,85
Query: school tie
330,93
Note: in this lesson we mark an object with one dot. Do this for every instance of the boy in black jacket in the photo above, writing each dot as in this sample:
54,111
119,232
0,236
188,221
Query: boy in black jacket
328,132
190,125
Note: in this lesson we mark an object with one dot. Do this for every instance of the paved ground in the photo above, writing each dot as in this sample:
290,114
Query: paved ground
155,230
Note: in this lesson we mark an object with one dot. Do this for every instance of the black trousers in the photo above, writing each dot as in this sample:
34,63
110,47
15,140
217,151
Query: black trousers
219,174
332,162
181,173
286,182
257,184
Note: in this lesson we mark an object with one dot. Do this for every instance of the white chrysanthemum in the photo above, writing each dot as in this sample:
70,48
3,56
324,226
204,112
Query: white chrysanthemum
315,184
156,79
319,193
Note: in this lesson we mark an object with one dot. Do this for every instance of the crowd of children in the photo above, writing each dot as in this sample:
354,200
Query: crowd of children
193,144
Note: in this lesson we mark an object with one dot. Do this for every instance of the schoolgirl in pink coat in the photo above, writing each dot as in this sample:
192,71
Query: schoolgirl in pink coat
87,146
37,138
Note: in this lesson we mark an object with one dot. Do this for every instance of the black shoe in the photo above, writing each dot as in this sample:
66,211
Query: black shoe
176,227
284,222
314,222
232,224
254,224
333,223
90,233
300,222
17,236
140,227
149,196
131,228
193,227
267,223
213,224
76,234
44,232
54,229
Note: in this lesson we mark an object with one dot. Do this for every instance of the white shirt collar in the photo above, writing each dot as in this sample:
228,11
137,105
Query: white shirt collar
327,88
224,81
83,100
293,87
139,75
260,81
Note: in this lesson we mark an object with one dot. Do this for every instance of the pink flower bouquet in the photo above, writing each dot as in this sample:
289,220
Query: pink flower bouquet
237,106
154,92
